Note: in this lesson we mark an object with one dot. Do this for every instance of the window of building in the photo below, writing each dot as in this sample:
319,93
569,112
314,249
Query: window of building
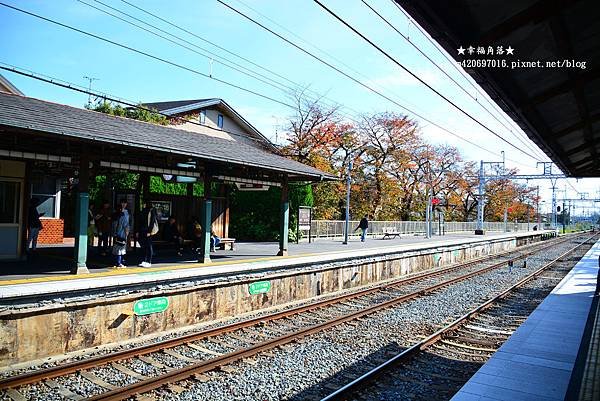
203,116
47,191
220,120
9,202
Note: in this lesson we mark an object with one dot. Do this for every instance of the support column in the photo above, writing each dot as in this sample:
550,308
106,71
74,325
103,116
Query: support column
81,215
284,219
206,220
480,201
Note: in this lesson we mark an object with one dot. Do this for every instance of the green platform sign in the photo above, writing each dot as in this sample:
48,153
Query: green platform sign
150,305
260,287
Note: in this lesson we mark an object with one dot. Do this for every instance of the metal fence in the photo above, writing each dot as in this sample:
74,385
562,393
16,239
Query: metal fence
335,228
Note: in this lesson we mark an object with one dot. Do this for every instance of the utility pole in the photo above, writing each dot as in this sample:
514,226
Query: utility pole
481,195
347,222
563,216
537,207
483,178
90,79
553,182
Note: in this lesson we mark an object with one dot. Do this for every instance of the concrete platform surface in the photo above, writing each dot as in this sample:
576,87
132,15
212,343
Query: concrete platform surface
537,361
49,274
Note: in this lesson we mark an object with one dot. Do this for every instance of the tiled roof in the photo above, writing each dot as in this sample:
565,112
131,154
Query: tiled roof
67,121
172,104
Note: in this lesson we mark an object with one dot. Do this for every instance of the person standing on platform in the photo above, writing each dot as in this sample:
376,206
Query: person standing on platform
91,226
364,226
147,228
103,224
34,224
120,233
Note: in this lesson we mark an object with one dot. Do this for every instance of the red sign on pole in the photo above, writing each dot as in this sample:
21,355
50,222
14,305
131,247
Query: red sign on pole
435,201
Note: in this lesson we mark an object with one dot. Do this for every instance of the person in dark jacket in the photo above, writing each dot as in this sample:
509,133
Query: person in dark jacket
147,227
34,224
103,224
363,225
171,234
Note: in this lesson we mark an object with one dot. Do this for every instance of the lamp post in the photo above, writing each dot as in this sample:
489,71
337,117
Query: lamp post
347,222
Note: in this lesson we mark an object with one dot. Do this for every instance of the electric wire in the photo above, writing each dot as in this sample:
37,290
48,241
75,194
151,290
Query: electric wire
266,81
386,54
323,52
466,76
447,75
371,89
270,71
106,96
163,60
148,55
284,88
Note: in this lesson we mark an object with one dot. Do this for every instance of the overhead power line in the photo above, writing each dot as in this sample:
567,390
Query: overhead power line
149,55
320,50
453,63
296,86
386,54
241,68
443,71
275,84
183,67
371,89
103,95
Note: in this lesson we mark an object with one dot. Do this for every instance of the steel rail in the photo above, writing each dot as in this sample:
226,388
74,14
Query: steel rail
416,348
73,367
198,368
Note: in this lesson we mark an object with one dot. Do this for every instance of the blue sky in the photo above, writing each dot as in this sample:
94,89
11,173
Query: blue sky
45,48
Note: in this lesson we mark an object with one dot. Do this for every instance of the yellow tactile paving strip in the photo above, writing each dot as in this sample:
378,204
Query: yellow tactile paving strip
169,268
137,270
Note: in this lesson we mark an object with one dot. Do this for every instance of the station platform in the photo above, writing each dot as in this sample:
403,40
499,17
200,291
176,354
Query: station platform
49,272
53,315
541,360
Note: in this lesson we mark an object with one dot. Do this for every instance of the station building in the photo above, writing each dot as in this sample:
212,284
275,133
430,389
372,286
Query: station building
51,148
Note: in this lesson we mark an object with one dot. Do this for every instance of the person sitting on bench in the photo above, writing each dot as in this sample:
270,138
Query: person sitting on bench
171,234
195,230
214,240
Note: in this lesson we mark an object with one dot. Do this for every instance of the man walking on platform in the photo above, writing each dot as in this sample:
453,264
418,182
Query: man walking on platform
147,228
363,225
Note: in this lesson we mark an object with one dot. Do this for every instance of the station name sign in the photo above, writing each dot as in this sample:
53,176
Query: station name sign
150,305
260,287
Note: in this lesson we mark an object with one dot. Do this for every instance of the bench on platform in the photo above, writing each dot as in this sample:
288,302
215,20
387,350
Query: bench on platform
390,233
224,242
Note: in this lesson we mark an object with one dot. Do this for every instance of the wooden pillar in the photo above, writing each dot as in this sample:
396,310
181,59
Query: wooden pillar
284,219
185,215
143,184
81,215
206,219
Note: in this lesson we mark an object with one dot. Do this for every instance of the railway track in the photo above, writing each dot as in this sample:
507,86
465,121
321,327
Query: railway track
439,364
140,370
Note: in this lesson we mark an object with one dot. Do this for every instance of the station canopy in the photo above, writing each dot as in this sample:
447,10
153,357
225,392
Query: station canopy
557,107
41,130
